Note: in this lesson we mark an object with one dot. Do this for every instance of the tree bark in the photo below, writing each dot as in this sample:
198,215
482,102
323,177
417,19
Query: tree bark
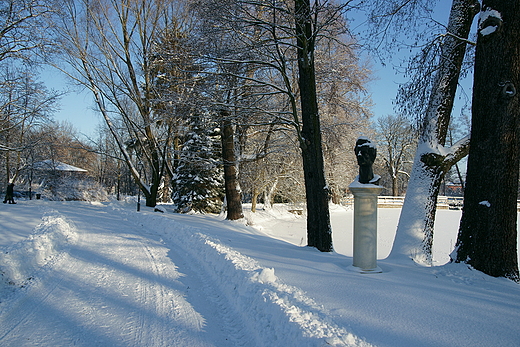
232,185
319,233
487,237
414,237
254,199
395,185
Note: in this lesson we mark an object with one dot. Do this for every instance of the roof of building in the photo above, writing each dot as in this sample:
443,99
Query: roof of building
50,164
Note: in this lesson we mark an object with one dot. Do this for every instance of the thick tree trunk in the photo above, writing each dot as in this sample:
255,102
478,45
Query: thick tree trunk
154,160
487,237
414,236
319,233
232,186
151,199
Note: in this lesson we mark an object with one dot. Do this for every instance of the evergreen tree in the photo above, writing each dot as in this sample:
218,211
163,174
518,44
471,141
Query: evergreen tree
198,180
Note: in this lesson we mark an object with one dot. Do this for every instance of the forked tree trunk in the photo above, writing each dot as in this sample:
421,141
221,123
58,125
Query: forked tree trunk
488,231
268,194
414,236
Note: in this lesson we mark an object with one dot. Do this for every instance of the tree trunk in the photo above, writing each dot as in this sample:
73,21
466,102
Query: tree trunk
268,194
254,199
319,233
487,237
232,186
151,199
335,195
395,185
155,162
414,237
127,157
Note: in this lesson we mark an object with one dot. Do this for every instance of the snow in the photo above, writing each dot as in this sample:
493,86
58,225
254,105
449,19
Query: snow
485,203
102,274
369,143
56,165
488,30
357,184
488,17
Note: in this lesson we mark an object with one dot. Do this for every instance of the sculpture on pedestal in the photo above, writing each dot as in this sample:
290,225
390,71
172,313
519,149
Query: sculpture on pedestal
365,190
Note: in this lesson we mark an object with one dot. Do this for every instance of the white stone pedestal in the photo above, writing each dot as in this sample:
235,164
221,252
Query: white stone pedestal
365,227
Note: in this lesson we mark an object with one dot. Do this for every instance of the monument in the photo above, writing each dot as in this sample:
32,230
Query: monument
365,189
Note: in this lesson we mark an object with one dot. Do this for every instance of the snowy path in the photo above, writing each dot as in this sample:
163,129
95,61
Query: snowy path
101,274
111,277
108,289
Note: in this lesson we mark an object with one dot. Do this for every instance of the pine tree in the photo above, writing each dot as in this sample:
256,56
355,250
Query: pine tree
198,180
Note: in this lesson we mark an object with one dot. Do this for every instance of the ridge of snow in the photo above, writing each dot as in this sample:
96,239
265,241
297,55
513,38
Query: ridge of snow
56,165
251,287
22,260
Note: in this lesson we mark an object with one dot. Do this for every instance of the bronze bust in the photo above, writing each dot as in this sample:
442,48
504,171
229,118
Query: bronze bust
365,154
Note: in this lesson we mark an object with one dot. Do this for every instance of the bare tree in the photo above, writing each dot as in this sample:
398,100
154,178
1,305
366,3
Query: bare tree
273,60
108,45
433,159
23,31
397,140
319,232
25,105
341,77
23,37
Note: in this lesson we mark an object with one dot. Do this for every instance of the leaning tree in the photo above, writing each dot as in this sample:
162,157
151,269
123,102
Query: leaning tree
433,158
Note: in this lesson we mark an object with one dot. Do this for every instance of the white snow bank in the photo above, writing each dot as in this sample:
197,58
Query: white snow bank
22,260
250,287
244,286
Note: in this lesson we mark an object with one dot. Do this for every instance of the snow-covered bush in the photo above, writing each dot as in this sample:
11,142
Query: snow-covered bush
70,188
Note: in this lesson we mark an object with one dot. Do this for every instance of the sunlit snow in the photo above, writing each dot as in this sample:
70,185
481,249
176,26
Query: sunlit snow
102,274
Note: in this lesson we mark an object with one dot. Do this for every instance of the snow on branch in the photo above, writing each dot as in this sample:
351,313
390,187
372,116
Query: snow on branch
469,42
457,151
444,157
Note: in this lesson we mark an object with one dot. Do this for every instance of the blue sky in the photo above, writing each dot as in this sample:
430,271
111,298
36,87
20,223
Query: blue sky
77,108
383,88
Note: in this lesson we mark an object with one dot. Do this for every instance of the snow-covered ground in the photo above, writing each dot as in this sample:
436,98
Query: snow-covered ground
101,274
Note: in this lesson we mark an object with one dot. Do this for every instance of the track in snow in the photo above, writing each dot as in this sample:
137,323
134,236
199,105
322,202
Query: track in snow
108,289
128,279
